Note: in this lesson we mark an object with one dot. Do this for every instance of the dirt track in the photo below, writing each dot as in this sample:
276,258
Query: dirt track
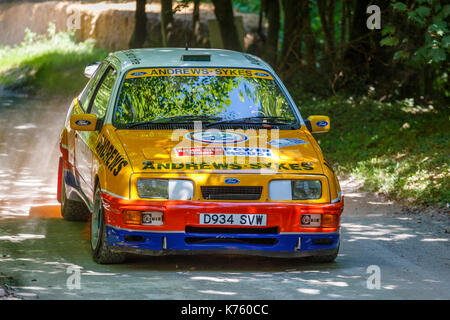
37,247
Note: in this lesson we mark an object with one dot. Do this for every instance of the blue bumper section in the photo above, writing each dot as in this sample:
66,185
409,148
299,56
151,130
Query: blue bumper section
281,245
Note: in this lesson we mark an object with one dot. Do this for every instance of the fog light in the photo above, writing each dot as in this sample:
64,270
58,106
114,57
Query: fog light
132,217
330,221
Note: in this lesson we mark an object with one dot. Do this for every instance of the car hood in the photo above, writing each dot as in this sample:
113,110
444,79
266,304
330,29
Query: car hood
250,151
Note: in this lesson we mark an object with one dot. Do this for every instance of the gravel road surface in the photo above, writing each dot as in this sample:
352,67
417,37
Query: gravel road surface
45,257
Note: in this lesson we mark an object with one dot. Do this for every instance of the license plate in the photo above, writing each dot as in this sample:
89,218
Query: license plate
233,219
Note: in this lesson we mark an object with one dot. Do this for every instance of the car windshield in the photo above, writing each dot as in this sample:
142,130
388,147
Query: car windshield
212,95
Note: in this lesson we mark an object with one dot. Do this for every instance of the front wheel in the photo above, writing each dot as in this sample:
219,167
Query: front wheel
101,252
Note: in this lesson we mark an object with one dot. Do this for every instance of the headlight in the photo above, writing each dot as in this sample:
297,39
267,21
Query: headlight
295,189
153,188
306,189
171,189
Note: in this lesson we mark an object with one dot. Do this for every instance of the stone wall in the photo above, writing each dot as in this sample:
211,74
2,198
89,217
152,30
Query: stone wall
110,23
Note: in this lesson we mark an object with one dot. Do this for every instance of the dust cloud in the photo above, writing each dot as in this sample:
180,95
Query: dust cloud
29,152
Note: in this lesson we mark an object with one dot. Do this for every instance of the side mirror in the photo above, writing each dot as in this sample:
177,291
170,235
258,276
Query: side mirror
318,124
90,69
83,122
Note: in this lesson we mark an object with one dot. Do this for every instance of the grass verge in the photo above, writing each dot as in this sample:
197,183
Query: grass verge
399,149
51,64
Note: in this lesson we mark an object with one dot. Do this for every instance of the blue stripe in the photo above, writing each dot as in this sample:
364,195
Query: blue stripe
176,241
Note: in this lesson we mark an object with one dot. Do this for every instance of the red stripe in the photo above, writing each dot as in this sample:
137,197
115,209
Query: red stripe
179,214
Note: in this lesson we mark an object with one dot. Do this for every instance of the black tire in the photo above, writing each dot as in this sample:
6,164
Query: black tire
325,258
72,210
101,252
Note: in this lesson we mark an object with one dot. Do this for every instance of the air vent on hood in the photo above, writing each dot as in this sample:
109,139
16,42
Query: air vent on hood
196,57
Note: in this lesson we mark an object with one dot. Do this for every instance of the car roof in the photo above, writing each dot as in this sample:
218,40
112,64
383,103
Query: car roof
172,57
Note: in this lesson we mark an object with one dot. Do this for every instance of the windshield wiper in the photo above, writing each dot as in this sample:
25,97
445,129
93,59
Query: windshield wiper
171,120
270,120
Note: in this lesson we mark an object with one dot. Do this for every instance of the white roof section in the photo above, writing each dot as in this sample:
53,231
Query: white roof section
171,57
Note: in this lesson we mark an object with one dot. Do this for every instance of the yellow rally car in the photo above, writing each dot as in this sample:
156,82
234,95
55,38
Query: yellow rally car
173,151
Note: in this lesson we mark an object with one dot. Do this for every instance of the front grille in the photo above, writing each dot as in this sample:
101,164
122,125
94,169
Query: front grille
227,230
254,241
231,193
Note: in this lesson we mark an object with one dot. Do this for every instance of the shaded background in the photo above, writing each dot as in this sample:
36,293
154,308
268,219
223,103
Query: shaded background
386,90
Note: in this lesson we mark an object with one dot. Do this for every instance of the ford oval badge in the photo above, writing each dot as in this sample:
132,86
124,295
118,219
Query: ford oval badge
82,123
231,181
217,137
322,123
140,73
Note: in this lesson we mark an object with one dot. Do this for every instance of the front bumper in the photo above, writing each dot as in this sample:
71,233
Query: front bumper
175,243
285,239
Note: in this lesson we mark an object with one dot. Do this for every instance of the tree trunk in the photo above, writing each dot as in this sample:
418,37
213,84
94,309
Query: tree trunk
262,9
167,28
271,44
364,55
326,14
196,21
344,7
291,52
310,40
140,27
223,10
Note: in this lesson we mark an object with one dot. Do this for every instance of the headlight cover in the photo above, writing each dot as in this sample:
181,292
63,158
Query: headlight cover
306,189
295,189
153,188
171,189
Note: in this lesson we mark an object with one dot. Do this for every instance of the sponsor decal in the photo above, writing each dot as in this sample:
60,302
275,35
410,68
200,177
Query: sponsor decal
306,219
247,152
205,72
141,73
223,151
231,181
216,137
281,143
322,123
200,151
113,160
151,165
310,220
83,123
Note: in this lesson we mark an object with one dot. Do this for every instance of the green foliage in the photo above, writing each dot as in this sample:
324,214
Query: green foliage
417,34
49,64
399,149
151,98
247,6
158,97
430,16
262,92
100,104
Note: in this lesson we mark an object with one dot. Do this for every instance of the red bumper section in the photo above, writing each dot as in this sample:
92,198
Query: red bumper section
180,214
